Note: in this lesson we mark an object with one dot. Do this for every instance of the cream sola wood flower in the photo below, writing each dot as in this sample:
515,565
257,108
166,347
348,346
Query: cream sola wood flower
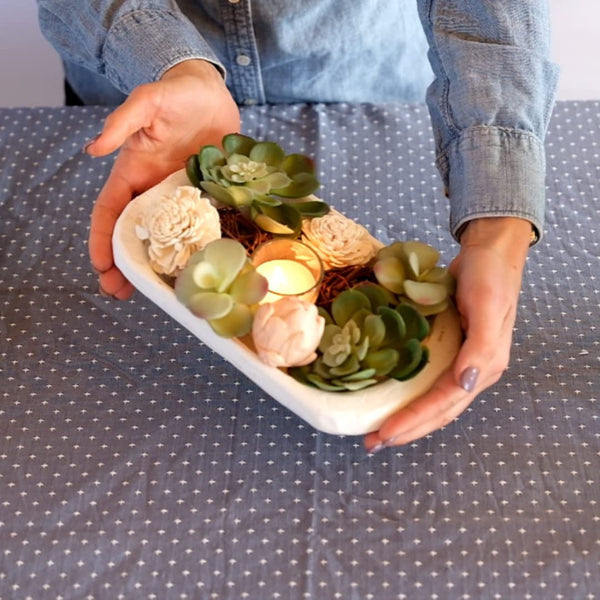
338,240
286,333
177,225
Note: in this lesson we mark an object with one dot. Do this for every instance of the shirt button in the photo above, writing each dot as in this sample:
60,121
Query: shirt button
243,60
250,101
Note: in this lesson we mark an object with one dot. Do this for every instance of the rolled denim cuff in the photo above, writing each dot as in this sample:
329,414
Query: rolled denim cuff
142,45
495,172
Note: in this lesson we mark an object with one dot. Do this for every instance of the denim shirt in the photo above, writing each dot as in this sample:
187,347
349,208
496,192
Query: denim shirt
491,84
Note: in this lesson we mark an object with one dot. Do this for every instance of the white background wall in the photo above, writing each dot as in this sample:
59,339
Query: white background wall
30,71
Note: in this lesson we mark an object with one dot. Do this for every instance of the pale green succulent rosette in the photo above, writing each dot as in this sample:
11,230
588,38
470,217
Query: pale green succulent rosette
260,180
221,285
409,270
366,340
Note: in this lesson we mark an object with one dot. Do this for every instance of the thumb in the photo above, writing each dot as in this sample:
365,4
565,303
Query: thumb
486,348
133,115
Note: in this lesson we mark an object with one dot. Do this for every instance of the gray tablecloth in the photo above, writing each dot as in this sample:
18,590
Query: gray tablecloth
136,463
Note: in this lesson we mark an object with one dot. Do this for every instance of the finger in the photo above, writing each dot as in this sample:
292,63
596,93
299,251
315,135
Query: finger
112,200
435,409
113,283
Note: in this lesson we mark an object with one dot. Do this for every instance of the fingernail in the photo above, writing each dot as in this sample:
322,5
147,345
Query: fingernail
383,445
88,144
104,293
391,441
376,448
468,378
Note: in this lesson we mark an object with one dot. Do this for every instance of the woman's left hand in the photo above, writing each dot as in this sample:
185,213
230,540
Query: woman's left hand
488,271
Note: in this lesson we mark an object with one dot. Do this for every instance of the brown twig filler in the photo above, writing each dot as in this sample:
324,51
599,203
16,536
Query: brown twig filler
237,227
335,281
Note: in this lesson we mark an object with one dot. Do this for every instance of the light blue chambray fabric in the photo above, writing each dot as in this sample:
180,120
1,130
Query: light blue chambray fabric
275,51
490,101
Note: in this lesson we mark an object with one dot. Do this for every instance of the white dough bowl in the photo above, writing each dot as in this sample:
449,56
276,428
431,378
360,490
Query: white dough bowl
343,413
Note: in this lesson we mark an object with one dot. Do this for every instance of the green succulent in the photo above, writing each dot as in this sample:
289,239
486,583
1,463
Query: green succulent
220,284
410,270
260,180
366,340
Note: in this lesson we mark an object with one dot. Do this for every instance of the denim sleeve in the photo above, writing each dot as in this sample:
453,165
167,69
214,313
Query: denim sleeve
122,41
490,104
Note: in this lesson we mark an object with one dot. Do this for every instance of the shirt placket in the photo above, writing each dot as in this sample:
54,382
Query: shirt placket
244,77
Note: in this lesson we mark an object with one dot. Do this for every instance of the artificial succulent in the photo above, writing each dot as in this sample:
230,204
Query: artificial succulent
366,339
409,270
260,180
220,284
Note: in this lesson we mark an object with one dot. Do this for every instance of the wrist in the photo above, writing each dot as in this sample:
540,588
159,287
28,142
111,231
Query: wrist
508,234
196,67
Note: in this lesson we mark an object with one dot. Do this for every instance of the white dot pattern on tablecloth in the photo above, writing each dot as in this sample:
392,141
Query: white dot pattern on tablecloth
135,463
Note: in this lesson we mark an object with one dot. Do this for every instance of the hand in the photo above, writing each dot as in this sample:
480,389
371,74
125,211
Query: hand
488,271
157,128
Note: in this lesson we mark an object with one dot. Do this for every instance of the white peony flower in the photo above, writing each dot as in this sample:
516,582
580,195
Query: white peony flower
286,333
339,241
176,226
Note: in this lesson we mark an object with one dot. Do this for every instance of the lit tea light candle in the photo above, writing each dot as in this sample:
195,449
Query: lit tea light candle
286,278
291,269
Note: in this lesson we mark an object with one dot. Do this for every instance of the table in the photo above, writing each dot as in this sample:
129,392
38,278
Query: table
136,463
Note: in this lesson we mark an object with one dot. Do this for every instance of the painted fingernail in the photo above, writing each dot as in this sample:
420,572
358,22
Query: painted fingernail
468,378
391,441
376,448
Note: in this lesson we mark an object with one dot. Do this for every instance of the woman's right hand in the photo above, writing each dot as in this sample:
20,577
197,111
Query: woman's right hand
157,128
